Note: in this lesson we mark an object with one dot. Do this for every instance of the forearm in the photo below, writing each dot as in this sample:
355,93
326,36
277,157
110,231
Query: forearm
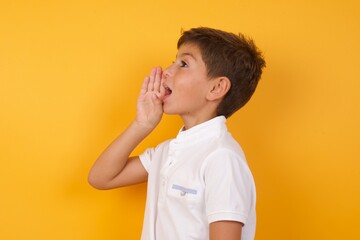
112,168
114,158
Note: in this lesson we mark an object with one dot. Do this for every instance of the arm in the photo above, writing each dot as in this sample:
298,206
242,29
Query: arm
225,230
114,168
230,196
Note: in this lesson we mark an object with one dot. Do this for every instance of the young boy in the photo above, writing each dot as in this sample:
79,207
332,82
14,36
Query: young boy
199,184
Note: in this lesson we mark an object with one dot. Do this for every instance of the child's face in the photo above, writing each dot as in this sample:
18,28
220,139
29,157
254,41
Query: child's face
186,83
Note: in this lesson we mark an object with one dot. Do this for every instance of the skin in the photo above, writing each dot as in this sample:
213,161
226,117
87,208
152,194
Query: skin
193,96
192,91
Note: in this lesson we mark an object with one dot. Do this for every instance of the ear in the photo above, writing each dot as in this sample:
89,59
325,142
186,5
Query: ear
220,86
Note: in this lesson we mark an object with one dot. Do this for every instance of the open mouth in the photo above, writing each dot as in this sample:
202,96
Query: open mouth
168,91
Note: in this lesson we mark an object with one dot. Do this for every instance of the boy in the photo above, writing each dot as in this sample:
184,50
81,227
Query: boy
199,184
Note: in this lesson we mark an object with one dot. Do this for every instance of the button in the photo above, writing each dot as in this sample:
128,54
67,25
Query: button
163,182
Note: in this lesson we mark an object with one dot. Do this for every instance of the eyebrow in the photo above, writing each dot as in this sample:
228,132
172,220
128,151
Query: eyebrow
187,54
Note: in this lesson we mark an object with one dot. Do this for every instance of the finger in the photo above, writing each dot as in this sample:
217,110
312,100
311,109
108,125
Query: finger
150,86
144,86
162,90
157,81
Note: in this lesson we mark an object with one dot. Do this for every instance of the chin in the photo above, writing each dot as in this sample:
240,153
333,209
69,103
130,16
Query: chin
169,111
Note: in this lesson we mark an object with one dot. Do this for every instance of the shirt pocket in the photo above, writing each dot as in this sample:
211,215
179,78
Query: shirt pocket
186,193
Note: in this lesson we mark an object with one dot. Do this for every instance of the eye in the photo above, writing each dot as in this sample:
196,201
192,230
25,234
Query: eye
183,64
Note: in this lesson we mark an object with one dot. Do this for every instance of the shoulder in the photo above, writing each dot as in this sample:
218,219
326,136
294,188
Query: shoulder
153,153
226,158
225,147
158,148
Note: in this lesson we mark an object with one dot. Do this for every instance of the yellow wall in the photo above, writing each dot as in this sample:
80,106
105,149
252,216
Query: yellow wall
70,72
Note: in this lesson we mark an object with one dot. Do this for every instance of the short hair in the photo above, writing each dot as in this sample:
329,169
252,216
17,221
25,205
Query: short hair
233,56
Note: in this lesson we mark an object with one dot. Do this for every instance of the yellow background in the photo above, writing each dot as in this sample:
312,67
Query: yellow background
70,72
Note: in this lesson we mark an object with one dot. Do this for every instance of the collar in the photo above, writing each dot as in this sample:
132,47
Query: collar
202,131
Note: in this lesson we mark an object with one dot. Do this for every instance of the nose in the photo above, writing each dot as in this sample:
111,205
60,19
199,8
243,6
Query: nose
168,71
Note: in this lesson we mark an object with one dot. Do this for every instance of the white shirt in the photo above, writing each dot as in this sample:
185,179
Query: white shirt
197,178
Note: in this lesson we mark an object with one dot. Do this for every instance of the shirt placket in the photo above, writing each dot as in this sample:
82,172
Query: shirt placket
164,173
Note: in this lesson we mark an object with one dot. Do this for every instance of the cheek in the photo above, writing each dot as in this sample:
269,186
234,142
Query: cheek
193,95
187,90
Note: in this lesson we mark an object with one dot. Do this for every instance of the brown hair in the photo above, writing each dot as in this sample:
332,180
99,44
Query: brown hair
233,56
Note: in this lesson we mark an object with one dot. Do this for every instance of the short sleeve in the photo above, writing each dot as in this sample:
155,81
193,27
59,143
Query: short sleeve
229,187
151,155
146,158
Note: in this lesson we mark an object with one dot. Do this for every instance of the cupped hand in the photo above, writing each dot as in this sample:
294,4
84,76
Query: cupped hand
149,105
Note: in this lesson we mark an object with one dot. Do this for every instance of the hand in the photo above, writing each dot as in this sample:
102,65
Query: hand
149,105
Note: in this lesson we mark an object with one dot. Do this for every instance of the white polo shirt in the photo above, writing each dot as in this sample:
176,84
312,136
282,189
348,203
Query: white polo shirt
197,178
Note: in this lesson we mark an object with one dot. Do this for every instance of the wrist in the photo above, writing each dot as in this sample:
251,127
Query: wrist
142,127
